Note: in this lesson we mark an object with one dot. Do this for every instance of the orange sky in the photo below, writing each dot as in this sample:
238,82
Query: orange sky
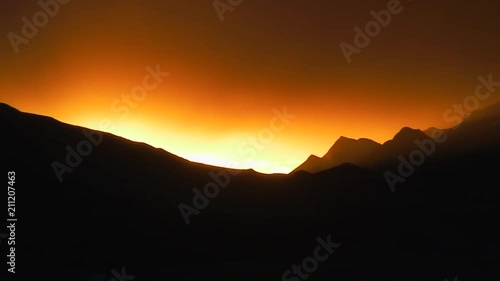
225,78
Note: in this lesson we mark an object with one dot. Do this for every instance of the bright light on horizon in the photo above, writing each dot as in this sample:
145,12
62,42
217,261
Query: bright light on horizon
183,146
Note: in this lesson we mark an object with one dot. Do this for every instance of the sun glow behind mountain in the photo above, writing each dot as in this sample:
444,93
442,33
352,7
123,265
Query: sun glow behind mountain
226,78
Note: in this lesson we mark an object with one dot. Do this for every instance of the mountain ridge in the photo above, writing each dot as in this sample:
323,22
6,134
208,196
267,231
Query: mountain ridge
124,198
367,153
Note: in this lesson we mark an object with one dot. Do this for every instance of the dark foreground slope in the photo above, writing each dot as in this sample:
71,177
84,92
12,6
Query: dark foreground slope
120,208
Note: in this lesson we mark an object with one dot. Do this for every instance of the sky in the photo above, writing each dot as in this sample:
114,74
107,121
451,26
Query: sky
262,84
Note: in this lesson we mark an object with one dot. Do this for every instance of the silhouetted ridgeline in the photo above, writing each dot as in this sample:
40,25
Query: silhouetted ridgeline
119,207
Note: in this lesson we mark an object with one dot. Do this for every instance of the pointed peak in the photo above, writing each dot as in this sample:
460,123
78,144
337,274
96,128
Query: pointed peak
343,139
407,129
408,133
349,141
346,138
6,109
349,145
313,157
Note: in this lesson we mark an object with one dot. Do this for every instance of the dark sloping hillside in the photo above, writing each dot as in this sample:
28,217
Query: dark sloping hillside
119,208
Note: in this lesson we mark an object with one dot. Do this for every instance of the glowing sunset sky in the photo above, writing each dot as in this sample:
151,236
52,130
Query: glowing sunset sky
225,78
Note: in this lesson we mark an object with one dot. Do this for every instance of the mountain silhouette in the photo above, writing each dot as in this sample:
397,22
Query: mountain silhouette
119,207
344,150
480,129
363,152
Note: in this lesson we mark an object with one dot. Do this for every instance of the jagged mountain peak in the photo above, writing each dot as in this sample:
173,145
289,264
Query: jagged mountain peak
6,109
407,133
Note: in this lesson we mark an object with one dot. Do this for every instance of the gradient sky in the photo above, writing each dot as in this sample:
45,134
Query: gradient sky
225,78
